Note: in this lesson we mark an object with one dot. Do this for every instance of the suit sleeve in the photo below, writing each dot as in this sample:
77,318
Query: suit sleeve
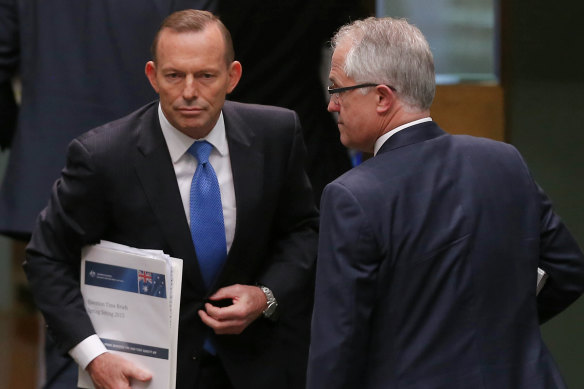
290,270
74,217
562,259
347,271
9,55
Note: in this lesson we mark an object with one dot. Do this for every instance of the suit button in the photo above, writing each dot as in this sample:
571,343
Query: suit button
194,357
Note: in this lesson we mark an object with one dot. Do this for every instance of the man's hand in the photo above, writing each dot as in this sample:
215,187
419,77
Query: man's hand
248,304
111,371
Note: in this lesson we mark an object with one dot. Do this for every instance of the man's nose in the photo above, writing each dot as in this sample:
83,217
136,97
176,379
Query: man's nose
190,89
332,106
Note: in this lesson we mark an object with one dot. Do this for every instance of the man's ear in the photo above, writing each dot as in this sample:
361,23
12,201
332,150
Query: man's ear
150,71
385,98
235,71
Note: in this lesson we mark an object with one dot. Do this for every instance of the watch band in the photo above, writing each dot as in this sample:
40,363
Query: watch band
272,304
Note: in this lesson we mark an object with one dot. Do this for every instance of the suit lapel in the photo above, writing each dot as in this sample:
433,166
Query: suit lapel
414,134
247,165
156,173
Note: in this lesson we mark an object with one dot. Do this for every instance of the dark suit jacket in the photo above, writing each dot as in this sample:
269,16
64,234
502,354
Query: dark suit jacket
119,185
80,64
427,266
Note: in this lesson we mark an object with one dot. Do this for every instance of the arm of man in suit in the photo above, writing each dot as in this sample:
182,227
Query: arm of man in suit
288,269
346,277
562,260
290,266
9,56
73,218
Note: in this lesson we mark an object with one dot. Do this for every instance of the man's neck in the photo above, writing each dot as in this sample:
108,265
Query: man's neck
403,117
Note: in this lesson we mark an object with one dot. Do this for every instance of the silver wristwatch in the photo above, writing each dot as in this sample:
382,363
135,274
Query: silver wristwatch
272,303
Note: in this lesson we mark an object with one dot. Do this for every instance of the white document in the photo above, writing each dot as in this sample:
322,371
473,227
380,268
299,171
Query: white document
132,297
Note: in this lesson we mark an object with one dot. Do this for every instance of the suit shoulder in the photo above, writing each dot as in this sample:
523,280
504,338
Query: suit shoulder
273,125
115,129
256,110
113,140
476,141
359,179
487,148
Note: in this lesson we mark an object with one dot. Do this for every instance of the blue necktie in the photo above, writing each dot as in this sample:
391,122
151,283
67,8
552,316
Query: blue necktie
207,226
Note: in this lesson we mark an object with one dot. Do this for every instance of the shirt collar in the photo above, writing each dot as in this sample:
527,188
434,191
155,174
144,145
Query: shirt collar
383,138
178,143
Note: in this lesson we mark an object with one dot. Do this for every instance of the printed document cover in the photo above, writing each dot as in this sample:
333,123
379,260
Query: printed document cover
133,297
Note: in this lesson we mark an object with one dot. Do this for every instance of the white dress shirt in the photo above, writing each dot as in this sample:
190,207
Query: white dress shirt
184,167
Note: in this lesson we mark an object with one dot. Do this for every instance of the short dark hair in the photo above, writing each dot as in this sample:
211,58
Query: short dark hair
192,20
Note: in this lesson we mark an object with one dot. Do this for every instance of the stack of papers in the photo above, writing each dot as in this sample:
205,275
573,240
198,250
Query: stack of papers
132,297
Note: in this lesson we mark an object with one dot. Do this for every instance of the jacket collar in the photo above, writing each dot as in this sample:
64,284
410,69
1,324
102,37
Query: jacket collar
414,134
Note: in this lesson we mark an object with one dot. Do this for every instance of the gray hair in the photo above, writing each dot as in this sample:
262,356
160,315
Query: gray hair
392,52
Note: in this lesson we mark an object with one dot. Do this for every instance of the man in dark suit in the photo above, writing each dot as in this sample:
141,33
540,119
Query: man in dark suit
129,181
79,65
428,252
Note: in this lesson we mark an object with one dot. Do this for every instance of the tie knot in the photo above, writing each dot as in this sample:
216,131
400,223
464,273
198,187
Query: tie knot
201,150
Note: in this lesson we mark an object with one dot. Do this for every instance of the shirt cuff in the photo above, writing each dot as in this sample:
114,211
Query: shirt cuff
87,350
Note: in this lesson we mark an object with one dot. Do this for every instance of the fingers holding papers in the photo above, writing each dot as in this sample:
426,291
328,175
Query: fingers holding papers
111,371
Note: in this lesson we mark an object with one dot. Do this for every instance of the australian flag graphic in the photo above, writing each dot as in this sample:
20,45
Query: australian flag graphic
151,284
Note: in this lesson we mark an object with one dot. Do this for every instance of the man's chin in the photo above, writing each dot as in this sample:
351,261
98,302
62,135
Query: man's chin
346,142
195,129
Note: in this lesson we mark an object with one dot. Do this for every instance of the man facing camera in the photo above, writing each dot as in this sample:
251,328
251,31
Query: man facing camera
218,184
428,251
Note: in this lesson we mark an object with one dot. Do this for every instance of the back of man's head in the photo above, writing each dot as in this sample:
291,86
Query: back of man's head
392,52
